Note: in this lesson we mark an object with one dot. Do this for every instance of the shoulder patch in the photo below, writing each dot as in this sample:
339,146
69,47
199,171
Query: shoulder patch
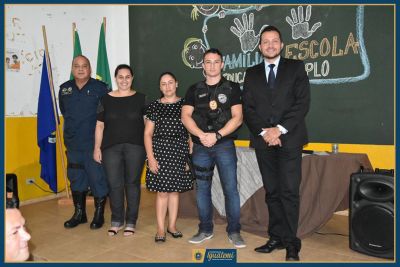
66,91
222,98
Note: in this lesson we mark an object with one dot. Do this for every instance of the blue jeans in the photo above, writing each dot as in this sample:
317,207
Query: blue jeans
204,159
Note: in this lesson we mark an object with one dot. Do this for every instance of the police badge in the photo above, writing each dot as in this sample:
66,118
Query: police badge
213,105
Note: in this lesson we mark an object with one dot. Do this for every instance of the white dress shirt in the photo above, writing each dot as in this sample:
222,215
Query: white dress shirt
275,70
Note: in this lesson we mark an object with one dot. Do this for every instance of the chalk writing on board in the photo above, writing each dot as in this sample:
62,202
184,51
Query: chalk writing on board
355,45
319,52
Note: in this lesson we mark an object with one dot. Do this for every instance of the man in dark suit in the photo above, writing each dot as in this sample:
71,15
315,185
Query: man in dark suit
276,99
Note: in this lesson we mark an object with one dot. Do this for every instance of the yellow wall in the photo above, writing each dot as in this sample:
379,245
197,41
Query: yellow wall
22,155
380,156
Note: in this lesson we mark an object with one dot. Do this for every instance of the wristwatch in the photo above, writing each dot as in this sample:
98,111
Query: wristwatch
218,135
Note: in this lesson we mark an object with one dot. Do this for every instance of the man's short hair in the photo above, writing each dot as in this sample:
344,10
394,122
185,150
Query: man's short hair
212,51
88,61
270,28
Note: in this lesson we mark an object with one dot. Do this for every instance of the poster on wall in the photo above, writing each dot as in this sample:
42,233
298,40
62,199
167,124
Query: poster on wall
13,62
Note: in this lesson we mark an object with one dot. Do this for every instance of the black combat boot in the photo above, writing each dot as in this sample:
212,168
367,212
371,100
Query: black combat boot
98,218
80,210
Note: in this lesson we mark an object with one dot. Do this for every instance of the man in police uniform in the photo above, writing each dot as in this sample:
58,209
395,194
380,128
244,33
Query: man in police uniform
212,113
78,100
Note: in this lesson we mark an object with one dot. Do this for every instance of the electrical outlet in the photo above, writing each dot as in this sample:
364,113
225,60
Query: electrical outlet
30,180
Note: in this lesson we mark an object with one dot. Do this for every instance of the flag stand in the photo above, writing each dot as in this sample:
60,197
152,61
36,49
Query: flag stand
58,134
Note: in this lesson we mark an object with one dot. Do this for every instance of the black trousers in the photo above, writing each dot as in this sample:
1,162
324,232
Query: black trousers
281,173
123,164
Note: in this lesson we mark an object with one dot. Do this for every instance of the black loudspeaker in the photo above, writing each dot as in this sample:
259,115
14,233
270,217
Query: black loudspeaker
371,218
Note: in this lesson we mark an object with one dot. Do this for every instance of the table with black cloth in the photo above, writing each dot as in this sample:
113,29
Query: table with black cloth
324,189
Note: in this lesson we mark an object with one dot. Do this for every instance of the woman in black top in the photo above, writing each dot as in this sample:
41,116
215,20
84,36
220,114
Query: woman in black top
119,147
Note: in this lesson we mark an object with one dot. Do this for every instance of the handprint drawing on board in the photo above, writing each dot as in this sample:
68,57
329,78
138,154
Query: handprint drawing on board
300,25
244,31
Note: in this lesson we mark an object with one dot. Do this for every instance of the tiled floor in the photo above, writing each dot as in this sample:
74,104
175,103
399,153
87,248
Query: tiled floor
52,242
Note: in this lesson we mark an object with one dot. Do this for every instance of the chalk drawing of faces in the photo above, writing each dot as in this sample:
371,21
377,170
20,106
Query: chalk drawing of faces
192,53
244,31
209,10
205,10
300,26
227,8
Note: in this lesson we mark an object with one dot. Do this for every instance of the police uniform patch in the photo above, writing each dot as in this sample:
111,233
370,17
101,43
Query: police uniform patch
222,98
66,91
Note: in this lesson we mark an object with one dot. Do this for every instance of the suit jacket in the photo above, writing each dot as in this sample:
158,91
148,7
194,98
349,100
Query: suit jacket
286,104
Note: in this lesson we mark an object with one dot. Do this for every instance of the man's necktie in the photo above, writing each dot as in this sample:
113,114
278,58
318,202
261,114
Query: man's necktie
271,76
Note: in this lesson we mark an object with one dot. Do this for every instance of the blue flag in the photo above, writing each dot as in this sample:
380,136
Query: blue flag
46,129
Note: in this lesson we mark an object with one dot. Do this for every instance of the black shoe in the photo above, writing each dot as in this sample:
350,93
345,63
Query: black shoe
177,234
158,238
98,218
270,246
292,253
79,216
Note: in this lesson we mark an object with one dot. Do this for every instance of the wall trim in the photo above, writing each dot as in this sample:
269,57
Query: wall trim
49,197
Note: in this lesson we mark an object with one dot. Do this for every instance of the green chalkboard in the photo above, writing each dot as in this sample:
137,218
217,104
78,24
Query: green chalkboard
348,53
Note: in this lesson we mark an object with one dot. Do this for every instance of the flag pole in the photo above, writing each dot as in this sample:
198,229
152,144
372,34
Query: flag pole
73,33
104,23
46,50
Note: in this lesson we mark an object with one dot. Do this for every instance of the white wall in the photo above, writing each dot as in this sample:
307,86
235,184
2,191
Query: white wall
23,29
